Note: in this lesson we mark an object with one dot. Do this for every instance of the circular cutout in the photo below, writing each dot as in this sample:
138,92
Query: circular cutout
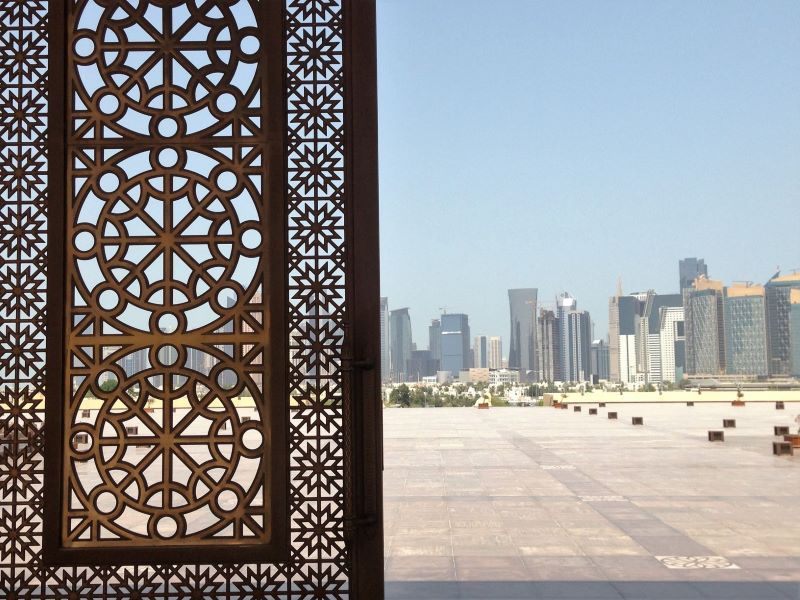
108,104
167,323
166,526
227,500
250,44
81,441
252,439
168,158
168,127
84,241
226,181
107,381
226,102
251,239
105,502
167,355
227,379
227,297
108,299
109,182
84,47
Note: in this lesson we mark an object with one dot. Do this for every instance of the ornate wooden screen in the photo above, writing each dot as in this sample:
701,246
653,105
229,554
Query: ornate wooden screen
188,275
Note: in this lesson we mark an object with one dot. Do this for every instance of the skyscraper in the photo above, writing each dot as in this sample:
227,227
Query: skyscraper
628,311
648,334
577,365
386,365
548,346
704,327
435,339
565,304
613,337
400,343
672,343
690,269
522,349
778,292
480,352
421,364
599,360
794,330
456,355
495,352
745,330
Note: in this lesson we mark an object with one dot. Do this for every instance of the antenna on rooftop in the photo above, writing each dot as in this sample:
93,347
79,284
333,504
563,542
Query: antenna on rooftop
619,285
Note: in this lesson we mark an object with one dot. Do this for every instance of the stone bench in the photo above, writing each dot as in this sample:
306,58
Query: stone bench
737,403
612,415
779,406
781,448
483,406
781,429
716,436
576,409
690,404
728,423
592,411
637,420
602,405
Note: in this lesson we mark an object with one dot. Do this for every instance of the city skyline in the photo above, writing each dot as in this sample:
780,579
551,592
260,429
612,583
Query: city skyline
580,142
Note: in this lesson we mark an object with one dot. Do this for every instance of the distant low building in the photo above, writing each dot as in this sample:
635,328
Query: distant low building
503,376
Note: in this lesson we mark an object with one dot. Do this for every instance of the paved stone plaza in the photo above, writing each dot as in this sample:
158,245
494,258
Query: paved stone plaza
548,503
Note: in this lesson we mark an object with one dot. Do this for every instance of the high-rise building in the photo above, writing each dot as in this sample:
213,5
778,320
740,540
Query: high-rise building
745,330
435,339
672,343
456,355
565,304
495,352
386,366
480,352
600,363
648,334
522,349
400,343
690,269
421,364
778,291
548,346
794,330
577,366
704,327
613,337
628,311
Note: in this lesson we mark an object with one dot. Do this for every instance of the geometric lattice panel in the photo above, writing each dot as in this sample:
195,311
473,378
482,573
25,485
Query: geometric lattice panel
139,385
166,390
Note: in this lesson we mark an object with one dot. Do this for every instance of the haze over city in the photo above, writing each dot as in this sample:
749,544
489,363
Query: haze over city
577,143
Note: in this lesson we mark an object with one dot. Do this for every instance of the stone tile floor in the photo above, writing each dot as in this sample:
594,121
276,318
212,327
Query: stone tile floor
547,503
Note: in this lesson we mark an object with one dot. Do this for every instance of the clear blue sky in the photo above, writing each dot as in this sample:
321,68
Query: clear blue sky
559,145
